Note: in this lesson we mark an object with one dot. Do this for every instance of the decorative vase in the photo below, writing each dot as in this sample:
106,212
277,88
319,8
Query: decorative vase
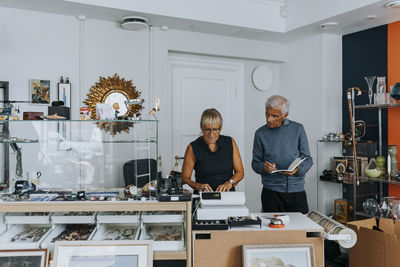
372,170
392,149
381,90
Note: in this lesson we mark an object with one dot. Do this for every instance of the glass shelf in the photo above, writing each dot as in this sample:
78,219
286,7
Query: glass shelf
394,105
382,179
82,121
329,141
327,181
25,141
77,141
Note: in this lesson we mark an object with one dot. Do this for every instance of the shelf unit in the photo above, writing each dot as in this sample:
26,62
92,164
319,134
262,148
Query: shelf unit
381,180
116,206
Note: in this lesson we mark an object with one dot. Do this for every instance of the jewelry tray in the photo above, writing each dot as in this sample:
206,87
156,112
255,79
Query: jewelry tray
58,229
112,231
15,229
161,245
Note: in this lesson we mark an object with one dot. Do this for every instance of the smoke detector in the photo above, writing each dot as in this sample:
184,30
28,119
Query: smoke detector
328,25
134,23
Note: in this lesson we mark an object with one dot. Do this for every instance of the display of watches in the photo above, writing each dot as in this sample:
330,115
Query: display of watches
232,182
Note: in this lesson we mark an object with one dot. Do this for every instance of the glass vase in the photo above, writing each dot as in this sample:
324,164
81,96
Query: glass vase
381,90
372,170
370,82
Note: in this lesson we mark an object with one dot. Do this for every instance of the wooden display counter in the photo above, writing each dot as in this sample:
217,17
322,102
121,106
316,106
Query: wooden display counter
116,206
224,248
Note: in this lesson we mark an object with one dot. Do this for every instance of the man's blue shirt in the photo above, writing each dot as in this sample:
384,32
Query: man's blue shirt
281,145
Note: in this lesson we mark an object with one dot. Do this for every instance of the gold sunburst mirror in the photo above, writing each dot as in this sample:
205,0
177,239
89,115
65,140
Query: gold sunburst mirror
114,90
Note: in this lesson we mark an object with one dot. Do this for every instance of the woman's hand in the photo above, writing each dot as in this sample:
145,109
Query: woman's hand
225,187
204,188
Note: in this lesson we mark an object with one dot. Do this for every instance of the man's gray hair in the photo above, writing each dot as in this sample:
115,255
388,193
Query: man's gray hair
277,101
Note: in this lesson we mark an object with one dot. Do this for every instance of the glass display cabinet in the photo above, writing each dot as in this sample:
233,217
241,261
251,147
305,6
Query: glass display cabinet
79,154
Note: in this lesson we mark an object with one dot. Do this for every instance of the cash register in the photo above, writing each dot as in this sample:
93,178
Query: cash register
221,205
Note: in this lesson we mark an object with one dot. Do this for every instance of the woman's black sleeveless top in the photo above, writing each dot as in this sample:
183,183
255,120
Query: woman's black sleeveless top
213,168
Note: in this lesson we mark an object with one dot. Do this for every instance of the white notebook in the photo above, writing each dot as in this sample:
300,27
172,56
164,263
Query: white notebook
292,165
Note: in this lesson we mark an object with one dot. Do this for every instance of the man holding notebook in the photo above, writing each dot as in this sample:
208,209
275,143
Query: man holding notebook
282,157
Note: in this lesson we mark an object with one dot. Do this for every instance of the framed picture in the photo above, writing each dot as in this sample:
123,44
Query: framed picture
40,91
122,253
299,255
64,93
341,210
24,257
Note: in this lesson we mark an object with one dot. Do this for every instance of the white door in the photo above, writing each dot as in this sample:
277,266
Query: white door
198,84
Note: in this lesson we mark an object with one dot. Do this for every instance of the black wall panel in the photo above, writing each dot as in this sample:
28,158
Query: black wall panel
364,54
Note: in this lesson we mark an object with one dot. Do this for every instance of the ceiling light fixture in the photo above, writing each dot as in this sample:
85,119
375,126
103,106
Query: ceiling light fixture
328,25
393,4
134,23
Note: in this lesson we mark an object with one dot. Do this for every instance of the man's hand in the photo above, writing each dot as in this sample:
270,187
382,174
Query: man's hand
269,167
291,173
225,187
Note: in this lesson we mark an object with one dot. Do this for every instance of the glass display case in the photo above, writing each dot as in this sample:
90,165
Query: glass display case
57,154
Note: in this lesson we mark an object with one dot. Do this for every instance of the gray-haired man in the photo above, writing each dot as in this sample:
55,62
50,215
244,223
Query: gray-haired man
276,145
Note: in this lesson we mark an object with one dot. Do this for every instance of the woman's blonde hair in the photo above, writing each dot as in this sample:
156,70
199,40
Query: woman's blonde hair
209,117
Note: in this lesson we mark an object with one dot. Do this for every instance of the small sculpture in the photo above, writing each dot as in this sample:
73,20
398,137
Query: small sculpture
116,108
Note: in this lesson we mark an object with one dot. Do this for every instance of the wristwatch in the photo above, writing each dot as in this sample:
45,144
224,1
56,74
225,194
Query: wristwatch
232,182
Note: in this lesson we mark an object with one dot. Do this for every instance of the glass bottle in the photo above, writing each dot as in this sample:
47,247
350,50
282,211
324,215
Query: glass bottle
381,90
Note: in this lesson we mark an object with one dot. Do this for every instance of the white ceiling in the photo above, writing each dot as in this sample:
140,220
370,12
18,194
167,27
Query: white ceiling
265,20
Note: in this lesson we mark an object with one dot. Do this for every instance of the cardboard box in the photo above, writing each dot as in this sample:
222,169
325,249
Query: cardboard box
375,248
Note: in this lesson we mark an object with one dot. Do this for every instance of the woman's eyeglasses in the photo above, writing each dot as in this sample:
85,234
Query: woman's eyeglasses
209,130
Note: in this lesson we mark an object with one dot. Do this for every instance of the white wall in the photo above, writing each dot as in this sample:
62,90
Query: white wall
107,49
312,80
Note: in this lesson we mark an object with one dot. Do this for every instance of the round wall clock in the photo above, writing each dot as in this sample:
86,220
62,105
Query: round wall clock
262,77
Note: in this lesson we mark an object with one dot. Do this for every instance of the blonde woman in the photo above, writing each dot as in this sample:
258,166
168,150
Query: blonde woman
214,157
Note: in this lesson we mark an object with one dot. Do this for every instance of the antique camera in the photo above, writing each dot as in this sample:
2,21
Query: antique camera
24,186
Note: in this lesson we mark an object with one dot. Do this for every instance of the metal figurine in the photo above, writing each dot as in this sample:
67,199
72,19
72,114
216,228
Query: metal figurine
350,93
